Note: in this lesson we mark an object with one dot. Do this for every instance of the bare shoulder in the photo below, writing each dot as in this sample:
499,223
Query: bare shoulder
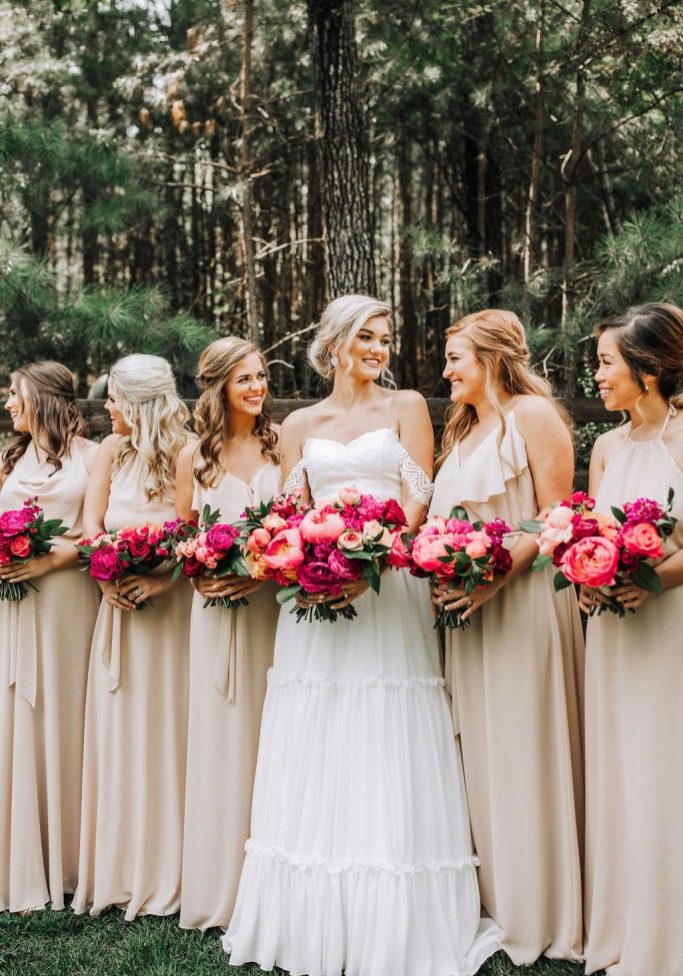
408,405
673,437
108,446
298,424
530,410
187,454
607,443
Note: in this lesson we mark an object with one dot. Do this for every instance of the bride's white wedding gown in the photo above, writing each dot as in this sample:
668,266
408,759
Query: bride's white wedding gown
360,857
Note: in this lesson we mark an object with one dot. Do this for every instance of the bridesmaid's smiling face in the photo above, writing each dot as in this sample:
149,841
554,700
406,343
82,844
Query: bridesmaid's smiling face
617,387
463,370
367,354
18,405
247,386
118,423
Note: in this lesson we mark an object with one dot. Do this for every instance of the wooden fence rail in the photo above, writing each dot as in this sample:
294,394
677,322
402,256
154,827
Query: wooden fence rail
583,411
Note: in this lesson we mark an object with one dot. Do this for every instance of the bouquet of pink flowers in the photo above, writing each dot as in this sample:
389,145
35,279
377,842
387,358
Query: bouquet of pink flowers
24,533
323,549
603,551
468,555
211,548
111,556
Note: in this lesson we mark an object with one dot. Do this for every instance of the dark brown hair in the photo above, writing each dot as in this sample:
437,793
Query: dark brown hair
650,338
53,415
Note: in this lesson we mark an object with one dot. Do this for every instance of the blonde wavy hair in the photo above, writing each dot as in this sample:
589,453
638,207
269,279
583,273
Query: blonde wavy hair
216,363
339,324
143,389
53,415
501,348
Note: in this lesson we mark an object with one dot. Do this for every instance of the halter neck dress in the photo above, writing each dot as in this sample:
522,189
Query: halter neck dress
44,647
135,735
515,676
230,653
634,737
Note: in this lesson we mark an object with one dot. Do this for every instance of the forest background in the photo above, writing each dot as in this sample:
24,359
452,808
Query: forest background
175,169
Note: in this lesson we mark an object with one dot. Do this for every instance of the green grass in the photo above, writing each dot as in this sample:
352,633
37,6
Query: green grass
63,944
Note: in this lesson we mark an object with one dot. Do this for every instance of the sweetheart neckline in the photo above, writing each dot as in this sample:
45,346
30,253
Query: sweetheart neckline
331,440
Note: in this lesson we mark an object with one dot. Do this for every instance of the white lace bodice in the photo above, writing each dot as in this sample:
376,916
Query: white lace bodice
375,462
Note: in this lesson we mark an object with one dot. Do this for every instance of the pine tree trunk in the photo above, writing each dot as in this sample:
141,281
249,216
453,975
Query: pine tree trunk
530,235
245,167
407,297
343,146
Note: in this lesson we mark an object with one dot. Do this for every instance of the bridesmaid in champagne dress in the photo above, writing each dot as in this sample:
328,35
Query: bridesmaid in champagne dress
235,464
516,673
44,647
136,708
634,667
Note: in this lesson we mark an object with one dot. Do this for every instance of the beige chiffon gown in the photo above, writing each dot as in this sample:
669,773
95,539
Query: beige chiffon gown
515,676
135,736
230,653
634,741
44,648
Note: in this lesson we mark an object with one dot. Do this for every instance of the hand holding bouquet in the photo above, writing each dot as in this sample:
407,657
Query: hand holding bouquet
318,552
211,549
603,551
466,555
110,557
25,533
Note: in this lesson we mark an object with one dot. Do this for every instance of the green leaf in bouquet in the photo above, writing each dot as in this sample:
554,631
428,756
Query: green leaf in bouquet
531,525
670,497
177,571
618,514
458,512
371,576
560,582
646,578
287,593
540,562
361,554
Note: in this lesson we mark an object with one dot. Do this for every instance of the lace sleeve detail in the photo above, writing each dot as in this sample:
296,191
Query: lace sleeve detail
296,480
415,477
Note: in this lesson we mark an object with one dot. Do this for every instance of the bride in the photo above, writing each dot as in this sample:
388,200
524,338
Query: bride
360,857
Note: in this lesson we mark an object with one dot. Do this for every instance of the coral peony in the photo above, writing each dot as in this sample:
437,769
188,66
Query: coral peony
321,525
350,496
285,550
592,561
478,544
428,551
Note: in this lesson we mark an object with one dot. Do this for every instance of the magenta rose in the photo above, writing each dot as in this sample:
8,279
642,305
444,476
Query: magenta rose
393,513
139,547
20,546
593,561
192,567
221,536
583,527
105,564
343,568
318,577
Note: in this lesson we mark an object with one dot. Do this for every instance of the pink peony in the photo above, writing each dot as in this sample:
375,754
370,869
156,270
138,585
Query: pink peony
274,523
221,536
319,577
15,521
398,556
20,547
559,517
427,551
322,525
345,569
105,564
592,561
258,541
642,539
478,544
285,551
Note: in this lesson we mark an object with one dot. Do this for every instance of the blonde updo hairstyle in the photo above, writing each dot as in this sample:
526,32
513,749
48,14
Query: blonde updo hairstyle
211,412
143,389
339,324
500,347
53,414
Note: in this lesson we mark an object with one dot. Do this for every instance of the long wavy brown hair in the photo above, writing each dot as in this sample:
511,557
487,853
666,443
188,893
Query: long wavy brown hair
650,338
501,348
211,415
53,415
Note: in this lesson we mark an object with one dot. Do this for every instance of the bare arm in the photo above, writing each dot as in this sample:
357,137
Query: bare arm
293,435
184,483
417,437
99,485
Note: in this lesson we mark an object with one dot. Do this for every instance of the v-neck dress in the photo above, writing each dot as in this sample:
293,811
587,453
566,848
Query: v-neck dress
230,654
516,676
44,649
634,738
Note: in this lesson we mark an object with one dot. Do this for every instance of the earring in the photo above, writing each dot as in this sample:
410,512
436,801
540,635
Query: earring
334,362
647,389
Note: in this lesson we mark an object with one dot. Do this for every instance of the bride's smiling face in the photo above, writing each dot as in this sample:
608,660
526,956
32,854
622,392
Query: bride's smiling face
368,352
